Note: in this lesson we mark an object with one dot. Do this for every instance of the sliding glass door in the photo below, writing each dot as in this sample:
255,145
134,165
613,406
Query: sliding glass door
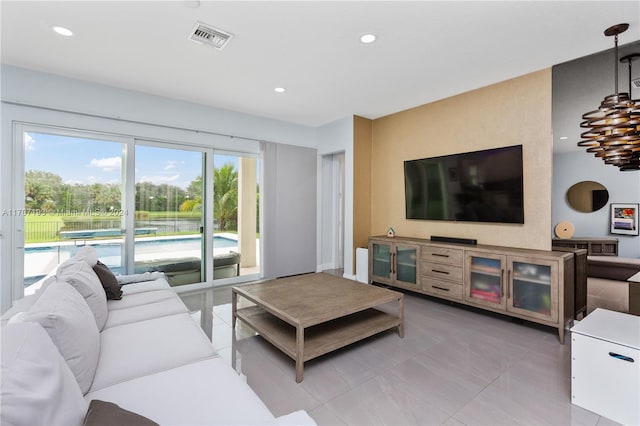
169,213
73,196
143,205
236,212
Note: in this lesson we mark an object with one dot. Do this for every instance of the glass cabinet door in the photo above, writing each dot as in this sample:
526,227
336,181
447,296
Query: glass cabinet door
381,262
532,288
406,258
485,279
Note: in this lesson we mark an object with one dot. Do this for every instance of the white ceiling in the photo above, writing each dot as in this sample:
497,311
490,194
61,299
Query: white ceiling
426,50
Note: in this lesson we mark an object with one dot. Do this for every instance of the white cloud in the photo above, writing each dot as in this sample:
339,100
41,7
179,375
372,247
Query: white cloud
29,142
170,165
107,164
158,180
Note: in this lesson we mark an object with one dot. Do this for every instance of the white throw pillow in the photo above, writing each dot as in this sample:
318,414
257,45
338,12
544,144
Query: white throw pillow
84,279
88,254
64,314
38,388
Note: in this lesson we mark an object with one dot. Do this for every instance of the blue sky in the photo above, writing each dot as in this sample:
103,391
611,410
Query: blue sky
85,161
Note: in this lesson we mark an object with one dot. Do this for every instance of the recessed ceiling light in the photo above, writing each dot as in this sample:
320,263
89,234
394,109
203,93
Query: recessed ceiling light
62,30
280,89
368,38
562,138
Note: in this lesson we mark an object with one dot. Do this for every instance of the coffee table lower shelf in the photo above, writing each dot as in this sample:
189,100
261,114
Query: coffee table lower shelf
317,339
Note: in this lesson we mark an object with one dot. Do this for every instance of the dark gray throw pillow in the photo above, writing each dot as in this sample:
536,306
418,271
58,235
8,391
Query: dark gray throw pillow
103,413
109,281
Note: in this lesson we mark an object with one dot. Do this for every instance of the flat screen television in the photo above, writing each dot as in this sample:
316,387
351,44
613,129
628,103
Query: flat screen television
479,186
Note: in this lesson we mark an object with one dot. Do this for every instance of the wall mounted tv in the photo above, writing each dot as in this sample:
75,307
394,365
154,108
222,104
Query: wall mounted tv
479,186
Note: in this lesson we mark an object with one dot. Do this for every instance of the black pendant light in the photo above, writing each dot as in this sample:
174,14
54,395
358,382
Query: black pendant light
614,128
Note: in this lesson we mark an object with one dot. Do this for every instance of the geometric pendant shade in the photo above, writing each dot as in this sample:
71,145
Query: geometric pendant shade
614,128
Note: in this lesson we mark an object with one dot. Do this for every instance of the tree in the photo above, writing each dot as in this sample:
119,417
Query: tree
225,196
43,190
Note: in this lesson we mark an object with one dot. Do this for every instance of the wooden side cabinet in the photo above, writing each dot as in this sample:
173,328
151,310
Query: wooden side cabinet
594,246
534,285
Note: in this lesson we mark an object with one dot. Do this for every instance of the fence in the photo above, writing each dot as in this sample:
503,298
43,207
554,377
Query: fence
51,231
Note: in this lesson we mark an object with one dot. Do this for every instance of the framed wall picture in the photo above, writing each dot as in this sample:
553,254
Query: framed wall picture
624,219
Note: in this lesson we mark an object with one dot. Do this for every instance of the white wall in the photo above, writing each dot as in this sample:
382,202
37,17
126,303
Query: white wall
36,88
332,138
327,208
624,187
40,98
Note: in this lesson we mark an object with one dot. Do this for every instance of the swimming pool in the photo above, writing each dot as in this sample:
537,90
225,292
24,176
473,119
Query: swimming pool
39,259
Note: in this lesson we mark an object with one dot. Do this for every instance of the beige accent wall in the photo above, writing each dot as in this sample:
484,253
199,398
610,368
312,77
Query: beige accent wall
511,112
361,182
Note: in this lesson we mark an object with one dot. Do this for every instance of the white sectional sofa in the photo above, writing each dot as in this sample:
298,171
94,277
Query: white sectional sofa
67,345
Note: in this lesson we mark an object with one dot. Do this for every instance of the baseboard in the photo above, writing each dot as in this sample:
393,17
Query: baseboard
324,267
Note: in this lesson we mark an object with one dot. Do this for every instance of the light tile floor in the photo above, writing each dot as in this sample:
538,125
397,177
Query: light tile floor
455,366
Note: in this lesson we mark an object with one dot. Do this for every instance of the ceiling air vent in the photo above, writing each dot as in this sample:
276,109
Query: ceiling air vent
206,34
635,83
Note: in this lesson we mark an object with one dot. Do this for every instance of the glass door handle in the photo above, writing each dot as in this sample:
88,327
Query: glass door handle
508,283
501,283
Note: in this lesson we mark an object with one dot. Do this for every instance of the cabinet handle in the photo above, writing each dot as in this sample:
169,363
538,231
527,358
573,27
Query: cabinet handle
440,288
509,284
439,255
501,283
440,272
621,357
392,263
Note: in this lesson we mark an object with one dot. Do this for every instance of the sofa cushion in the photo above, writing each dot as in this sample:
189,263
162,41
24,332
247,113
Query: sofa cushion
208,392
142,286
136,278
82,277
108,281
38,388
88,254
612,267
139,299
146,347
20,305
145,312
103,413
64,314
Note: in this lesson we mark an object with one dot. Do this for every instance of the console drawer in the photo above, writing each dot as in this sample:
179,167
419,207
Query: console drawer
447,255
442,288
442,271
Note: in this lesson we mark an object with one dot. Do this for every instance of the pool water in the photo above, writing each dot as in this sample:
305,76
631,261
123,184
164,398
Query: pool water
37,258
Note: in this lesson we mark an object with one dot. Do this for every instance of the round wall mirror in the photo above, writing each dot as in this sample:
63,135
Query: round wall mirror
587,196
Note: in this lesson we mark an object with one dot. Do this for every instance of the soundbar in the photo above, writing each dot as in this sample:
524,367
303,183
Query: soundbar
468,241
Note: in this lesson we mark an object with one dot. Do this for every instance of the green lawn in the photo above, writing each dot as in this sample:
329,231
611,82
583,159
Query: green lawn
41,228
46,227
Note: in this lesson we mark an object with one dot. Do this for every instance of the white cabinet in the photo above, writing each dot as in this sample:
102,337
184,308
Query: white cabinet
605,365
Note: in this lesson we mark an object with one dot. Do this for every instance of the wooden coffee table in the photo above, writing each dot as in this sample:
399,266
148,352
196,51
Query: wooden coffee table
310,315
